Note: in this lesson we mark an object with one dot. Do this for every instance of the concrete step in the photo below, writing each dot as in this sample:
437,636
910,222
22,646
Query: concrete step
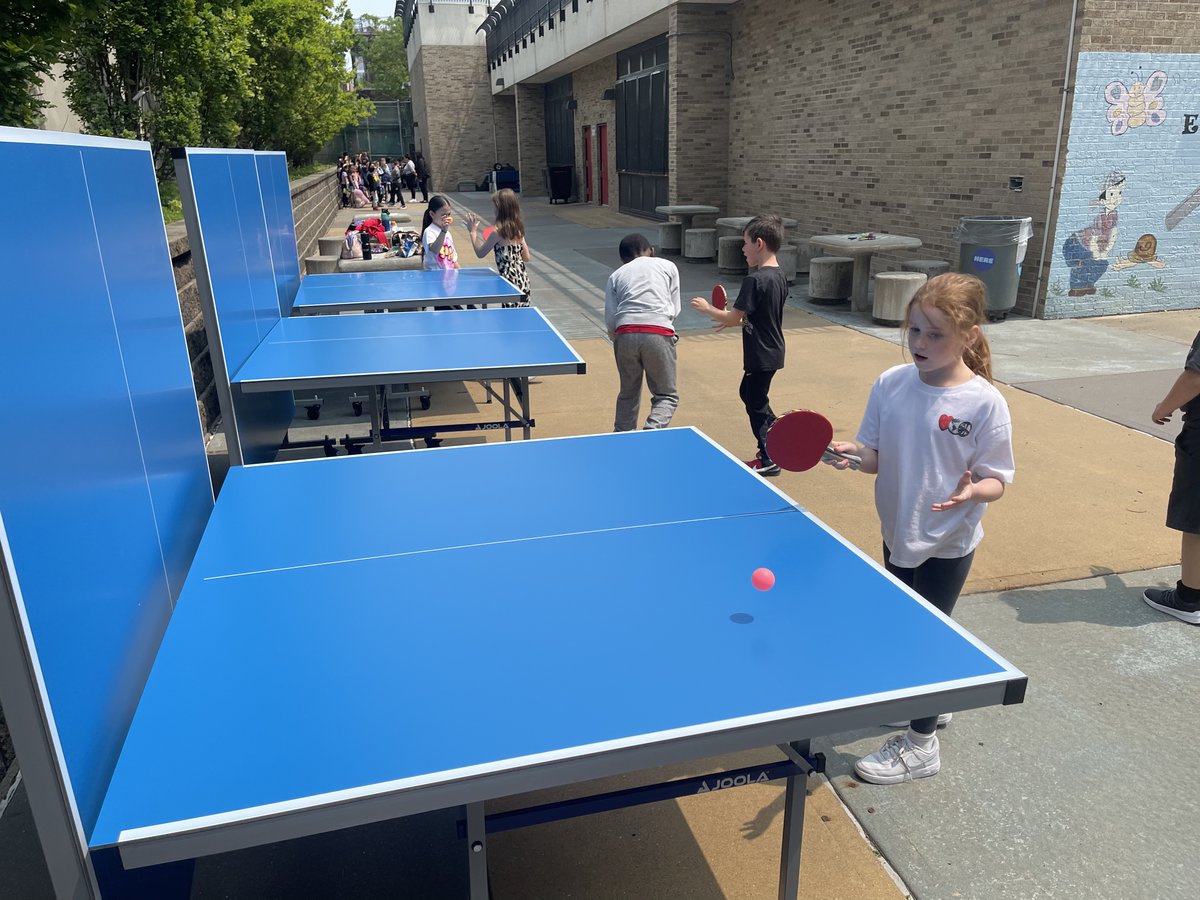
379,264
330,246
321,265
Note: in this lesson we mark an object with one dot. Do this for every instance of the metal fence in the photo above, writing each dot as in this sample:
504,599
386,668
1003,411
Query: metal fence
387,133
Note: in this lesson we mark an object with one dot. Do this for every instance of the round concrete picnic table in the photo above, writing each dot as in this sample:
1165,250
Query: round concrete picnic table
860,248
685,213
740,222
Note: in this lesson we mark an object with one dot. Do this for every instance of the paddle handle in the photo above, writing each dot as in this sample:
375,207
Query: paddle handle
830,454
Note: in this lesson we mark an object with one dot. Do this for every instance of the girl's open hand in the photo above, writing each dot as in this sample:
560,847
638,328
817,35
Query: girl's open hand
963,493
472,221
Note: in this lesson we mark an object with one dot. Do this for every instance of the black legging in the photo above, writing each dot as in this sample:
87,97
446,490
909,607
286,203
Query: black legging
939,581
753,390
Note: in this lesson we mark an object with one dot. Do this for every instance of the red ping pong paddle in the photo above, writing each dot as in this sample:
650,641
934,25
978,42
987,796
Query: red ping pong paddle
487,232
798,440
719,297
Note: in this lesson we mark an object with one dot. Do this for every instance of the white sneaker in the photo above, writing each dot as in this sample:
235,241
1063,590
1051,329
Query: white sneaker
943,721
898,761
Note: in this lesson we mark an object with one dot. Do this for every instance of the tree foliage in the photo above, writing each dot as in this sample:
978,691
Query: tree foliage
251,73
297,98
32,34
386,58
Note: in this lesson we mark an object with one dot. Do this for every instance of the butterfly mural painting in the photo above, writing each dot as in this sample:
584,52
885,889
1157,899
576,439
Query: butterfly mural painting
1138,105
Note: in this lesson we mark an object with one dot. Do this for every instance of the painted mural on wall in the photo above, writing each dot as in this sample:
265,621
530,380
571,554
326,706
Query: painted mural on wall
1128,235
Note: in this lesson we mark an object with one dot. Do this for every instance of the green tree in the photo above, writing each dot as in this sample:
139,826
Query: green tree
298,97
32,35
173,72
386,58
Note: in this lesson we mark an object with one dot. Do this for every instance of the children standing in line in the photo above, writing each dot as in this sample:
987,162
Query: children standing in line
641,303
507,240
759,310
435,235
938,436
1183,508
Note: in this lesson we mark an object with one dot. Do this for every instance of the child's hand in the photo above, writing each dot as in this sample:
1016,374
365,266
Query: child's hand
1161,415
472,222
962,494
701,305
840,447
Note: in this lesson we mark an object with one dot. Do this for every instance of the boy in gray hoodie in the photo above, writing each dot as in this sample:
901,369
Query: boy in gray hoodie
641,303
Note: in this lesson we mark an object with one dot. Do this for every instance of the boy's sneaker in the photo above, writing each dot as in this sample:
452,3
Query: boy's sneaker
899,761
1172,604
765,467
942,722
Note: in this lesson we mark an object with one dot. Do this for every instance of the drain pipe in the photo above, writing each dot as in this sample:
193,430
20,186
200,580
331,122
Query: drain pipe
1039,302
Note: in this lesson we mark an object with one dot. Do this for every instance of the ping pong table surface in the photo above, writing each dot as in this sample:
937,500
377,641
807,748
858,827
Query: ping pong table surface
353,668
410,289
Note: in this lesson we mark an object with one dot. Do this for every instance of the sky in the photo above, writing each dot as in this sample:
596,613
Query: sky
381,8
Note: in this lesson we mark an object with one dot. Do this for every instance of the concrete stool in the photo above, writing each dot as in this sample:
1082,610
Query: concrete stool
830,279
699,244
465,186
670,238
786,258
893,290
804,252
930,268
730,258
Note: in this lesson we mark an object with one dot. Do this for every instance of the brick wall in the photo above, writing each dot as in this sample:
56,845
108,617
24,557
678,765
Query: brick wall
897,117
589,85
452,104
531,137
314,204
504,109
698,89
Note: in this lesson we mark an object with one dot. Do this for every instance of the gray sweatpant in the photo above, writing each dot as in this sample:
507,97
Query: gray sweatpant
653,354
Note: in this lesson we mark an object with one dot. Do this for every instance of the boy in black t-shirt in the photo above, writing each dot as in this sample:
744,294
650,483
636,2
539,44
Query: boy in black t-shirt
759,310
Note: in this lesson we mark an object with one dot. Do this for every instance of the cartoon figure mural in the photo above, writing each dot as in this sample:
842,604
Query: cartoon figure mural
1133,107
1086,251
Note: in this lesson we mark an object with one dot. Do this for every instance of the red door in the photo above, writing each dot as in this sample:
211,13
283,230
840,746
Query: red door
587,163
602,140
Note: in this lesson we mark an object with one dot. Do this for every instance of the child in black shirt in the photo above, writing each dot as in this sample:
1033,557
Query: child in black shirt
759,310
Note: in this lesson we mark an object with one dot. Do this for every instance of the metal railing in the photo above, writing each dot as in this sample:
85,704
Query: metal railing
523,22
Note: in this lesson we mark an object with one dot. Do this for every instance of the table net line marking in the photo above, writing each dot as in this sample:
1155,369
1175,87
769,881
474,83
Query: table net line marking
520,540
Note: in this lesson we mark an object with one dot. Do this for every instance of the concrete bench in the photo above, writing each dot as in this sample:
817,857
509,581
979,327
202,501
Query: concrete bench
893,291
699,244
670,238
830,279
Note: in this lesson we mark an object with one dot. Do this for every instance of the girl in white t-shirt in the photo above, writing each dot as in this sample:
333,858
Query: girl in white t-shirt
938,437
435,235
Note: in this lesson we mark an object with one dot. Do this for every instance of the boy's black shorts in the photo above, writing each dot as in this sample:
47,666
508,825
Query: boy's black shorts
1183,509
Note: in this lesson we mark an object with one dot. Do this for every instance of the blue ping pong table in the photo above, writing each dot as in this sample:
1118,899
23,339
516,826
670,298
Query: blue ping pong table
354,291
430,684
244,260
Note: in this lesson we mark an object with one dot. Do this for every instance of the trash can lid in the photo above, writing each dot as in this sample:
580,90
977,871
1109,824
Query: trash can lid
994,229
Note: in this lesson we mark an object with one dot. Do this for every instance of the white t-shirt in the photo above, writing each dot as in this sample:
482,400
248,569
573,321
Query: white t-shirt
926,438
448,259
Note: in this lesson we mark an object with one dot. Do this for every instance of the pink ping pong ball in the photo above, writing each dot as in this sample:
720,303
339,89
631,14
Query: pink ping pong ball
763,579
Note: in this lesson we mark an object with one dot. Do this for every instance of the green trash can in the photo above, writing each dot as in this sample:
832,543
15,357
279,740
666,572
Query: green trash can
992,248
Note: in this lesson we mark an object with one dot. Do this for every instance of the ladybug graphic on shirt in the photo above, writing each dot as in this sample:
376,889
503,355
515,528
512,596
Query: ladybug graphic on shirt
956,427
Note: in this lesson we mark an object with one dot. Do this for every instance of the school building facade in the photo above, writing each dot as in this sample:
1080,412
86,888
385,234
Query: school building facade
848,116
